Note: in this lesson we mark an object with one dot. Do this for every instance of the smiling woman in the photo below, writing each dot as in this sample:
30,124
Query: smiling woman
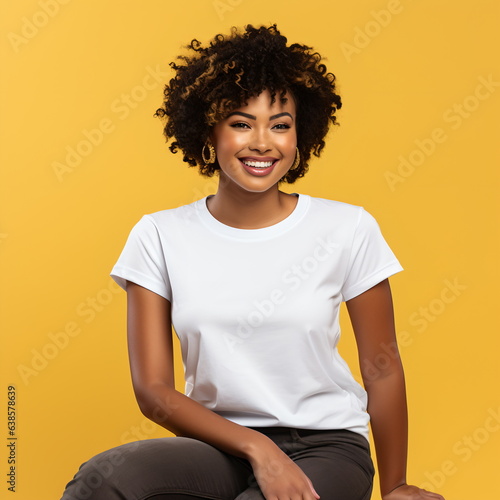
252,279
213,81
259,139
255,148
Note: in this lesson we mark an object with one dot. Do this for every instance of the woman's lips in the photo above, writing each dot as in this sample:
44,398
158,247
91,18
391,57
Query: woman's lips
258,166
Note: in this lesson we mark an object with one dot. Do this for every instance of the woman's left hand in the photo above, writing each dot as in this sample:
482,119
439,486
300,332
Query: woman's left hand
407,492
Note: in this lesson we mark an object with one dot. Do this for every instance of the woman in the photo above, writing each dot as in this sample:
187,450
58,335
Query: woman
252,279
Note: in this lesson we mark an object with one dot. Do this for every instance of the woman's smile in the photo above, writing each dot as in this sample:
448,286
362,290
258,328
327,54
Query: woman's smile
258,166
256,144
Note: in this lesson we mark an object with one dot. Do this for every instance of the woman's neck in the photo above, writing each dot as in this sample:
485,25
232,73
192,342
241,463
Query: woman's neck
243,209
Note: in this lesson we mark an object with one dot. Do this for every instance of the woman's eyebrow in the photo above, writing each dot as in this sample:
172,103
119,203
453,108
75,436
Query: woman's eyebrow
246,115
252,117
280,115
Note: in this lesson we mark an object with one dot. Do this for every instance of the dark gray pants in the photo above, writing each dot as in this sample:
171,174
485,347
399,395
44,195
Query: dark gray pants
337,462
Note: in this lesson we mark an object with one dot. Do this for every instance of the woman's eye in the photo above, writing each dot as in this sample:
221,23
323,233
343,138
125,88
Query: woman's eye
282,126
239,125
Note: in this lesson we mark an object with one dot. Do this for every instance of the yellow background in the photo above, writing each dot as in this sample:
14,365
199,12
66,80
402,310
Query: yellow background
418,75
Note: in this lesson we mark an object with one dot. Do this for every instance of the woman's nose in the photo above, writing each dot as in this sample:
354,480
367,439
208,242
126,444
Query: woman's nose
260,141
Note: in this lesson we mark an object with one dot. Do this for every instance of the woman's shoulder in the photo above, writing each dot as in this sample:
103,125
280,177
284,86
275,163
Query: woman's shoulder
334,208
183,214
340,214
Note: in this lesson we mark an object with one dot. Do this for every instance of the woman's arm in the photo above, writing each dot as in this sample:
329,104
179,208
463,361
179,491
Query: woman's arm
372,318
149,332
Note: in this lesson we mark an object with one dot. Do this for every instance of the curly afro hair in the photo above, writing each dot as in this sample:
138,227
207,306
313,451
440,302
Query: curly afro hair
212,81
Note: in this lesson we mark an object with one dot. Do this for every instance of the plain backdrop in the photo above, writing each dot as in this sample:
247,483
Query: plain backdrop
83,158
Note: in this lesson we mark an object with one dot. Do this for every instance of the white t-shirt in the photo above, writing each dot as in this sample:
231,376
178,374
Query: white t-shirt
257,310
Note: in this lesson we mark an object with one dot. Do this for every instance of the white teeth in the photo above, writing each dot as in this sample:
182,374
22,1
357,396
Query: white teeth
258,164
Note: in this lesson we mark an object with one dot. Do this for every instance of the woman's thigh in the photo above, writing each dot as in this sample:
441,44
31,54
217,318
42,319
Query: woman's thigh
338,463
157,469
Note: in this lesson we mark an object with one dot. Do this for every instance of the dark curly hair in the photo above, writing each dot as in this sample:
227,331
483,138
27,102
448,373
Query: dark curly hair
218,78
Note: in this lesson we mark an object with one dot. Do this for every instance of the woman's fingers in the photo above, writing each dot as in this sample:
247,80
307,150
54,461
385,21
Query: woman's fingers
408,492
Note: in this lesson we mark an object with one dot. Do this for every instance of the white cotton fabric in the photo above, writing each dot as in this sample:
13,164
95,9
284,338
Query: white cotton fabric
257,310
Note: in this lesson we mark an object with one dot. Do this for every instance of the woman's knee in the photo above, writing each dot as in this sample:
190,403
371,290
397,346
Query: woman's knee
96,477
155,466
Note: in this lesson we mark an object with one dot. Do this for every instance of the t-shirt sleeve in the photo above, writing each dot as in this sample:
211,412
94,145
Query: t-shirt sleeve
371,260
142,260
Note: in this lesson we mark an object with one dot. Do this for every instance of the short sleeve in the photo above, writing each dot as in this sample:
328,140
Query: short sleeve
371,260
142,260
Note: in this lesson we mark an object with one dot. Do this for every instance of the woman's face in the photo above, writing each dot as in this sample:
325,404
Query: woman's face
255,144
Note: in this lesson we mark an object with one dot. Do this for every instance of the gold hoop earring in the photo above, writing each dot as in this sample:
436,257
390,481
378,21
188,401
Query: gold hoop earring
296,163
211,150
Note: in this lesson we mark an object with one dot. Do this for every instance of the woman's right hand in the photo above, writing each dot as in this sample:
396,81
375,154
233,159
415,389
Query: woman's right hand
151,360
278,476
